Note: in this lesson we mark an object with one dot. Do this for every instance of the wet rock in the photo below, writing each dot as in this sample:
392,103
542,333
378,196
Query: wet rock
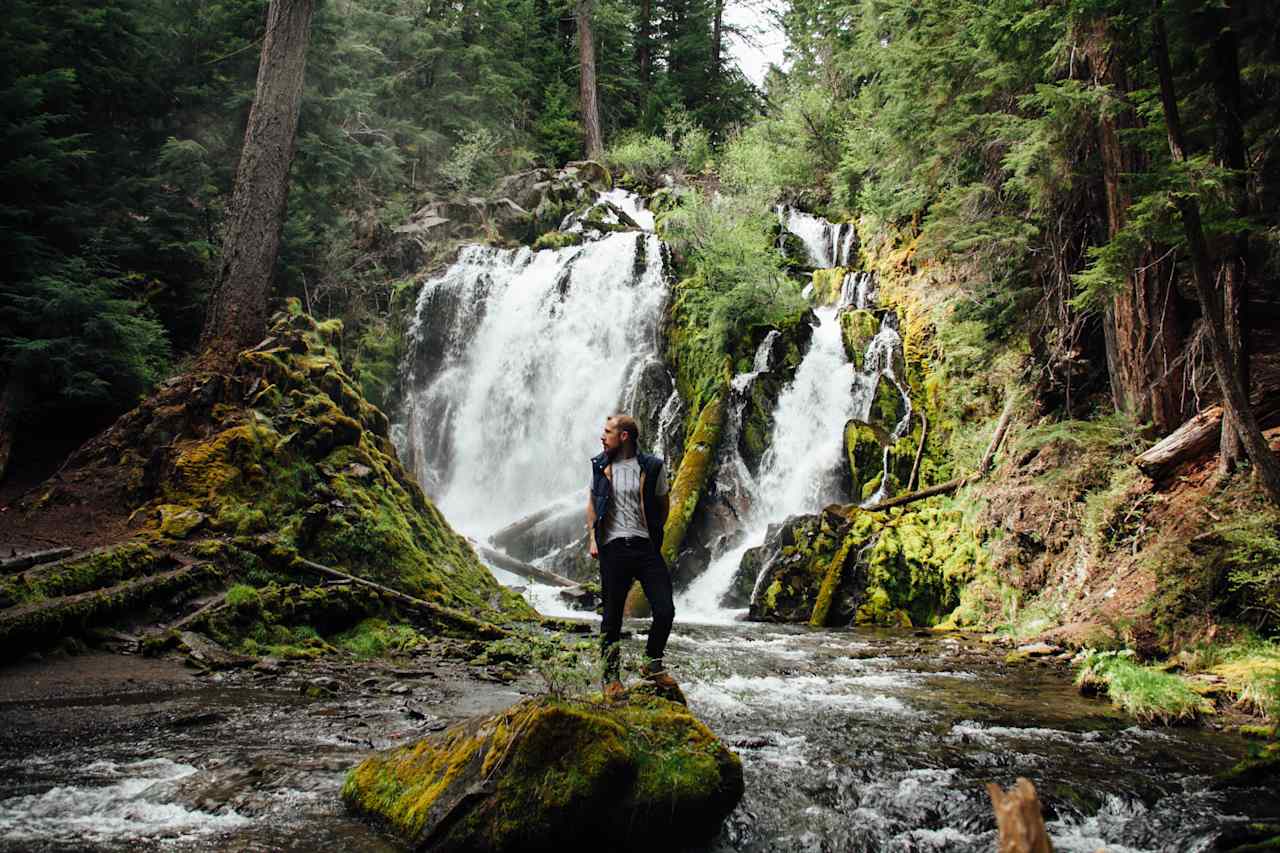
581,597
1038,650
321,688
210,654
545,775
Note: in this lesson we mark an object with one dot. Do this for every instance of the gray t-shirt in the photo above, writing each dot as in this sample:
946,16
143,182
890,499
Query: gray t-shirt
625,518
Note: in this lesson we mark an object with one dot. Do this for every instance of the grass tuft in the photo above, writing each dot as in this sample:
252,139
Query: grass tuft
1147,694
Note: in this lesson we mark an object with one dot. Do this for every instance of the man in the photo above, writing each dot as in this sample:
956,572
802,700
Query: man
626,511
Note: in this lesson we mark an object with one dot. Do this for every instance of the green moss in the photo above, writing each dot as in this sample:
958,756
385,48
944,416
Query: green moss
827,284
1145,693
553,772
83,572
691,479
557,240
857,328
243,597
371,638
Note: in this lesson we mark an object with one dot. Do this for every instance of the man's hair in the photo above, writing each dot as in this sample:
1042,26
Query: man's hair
625,423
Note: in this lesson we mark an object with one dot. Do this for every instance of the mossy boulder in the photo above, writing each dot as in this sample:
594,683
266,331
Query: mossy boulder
903,568
795,560
827,285
277,459
864,446
557,240
857,329
551,774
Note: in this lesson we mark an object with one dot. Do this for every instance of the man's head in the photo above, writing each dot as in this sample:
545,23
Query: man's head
621,436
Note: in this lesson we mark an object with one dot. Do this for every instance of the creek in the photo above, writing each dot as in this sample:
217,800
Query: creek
852,739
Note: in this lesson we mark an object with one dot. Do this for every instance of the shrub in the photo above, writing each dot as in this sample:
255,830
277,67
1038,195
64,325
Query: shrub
641,157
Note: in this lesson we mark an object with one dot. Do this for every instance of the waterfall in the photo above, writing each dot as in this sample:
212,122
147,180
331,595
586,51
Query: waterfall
801,471
828,244
516,357
796,473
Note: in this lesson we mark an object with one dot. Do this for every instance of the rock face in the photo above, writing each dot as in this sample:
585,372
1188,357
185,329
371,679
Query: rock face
552,774
846,566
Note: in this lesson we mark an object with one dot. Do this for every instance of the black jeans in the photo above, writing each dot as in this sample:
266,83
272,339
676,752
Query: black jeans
622,562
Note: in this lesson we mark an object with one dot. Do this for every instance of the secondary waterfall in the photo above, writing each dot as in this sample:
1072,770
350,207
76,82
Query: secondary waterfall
801,471
828,244
516,357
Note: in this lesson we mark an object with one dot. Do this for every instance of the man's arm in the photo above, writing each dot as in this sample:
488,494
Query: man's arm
591,528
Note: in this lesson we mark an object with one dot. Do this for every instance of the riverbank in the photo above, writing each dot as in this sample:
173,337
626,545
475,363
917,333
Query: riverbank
859,739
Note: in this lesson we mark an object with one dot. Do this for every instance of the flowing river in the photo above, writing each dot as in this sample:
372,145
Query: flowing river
852,739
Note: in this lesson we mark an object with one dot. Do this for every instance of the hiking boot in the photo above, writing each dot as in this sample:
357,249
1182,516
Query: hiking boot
614,691
656,674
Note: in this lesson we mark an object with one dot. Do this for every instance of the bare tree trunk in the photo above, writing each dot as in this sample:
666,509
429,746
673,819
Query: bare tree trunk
644,40
587,82
238,308
717,38
9,404
1143,329
1235,401
1231,153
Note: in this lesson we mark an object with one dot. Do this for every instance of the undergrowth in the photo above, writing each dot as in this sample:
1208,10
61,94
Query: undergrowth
1142,692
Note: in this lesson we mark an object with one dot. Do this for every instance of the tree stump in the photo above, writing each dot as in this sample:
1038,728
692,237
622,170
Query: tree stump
1018,818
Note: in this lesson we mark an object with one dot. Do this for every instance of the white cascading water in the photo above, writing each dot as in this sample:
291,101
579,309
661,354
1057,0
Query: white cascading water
500,418
795,473
829,244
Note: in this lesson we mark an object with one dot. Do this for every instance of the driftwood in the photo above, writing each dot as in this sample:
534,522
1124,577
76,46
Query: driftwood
447,615
1002,427
35,558
1197,438
521,568
1018,818
915,466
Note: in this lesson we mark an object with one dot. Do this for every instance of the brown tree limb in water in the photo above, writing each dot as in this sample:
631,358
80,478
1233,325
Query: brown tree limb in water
1235,401
1018,818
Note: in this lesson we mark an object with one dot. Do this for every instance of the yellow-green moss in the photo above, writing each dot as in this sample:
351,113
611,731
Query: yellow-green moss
857,328
691,479
827,284
548,772
557,240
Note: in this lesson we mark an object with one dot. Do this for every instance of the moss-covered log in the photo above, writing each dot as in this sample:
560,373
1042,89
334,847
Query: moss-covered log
39,623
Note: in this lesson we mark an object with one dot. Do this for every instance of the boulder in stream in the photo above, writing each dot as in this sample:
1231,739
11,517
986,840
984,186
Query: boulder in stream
555,774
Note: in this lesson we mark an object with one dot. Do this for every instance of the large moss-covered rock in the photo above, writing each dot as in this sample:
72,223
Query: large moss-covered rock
554,775
278,459
902,568
857,329
795,561
827,285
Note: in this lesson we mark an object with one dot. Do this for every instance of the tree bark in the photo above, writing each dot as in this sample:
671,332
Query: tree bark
1142,326
1197,438
717,38
587,82
1231,153
9,404
237,313
1235,402
644,40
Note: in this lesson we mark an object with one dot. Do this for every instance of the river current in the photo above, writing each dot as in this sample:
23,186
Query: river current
852,739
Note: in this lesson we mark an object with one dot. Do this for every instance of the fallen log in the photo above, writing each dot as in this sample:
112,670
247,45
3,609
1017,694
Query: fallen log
34,558
1002,427
520,567
1198,437
1018,818
439,612
31,625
